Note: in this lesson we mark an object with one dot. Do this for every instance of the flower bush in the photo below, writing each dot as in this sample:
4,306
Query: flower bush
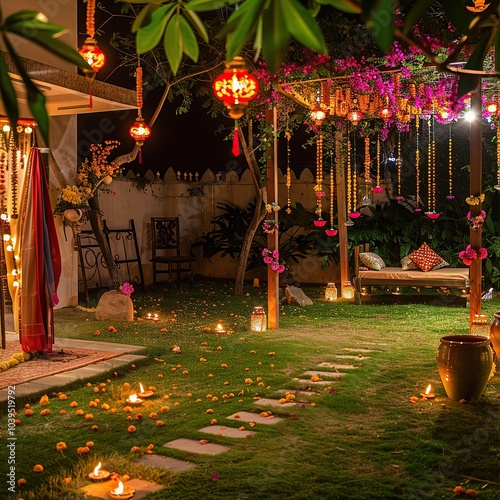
91,173
469,254
273,259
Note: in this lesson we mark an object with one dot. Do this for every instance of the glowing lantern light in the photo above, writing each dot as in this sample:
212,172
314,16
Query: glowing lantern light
354,117
90,52
331,292
492,108
318,115
235,87
140,131
348,290
385,113
258,320
93,55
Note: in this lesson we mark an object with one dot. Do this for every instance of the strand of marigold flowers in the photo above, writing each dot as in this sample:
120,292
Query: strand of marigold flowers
498,158
378,159
348,175
367,160
332,189
13,177
429,166
450,161
319,173
399,164
288,173
90,25
3,189
354,177
433,180
417,164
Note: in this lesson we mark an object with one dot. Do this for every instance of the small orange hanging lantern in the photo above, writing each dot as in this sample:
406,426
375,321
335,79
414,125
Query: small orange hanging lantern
235,87
92,54
354,117
140,130
385,113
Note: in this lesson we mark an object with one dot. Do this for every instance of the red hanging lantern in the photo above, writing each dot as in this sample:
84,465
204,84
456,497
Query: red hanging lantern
140,131
235,87
92,54
385,113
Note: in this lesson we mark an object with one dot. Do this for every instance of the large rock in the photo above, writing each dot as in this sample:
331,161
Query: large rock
296,296
114,306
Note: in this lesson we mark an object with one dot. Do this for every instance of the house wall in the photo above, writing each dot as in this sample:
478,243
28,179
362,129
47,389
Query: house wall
195,201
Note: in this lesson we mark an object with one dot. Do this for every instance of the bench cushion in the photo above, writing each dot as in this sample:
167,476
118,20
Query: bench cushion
425,258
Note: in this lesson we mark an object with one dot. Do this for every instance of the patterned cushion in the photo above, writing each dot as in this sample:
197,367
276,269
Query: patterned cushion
425,258
372,261
442,264
407,264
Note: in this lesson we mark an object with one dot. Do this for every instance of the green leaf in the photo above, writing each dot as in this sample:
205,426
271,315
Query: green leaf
302,26
417,12
241,25
197,23
275,35
379,17
208,5
257,43
468,83
173,43
36,100
497,51
347,6
8,94
189,42
150,34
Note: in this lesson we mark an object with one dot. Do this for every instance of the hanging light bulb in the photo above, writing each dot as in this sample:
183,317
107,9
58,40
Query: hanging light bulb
140,130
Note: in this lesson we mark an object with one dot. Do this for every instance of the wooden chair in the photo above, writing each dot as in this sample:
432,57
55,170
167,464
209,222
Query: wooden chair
166,250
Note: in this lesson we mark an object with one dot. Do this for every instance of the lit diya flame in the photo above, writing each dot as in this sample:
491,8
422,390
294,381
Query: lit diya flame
219,329
99,474
143,393
122,491
134,399
428,393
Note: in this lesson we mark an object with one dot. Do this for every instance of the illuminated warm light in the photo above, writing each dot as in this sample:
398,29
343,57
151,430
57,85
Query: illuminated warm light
6,129
28,130
469,115
6,237
492,108
9,248
318,115
92,54
385,113
15,283
354,117
235,87
3,216
141,388
133,398
119,489
140,131
444,115
14,272
96,470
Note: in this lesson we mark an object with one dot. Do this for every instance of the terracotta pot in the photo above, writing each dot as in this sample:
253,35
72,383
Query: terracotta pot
73,214
495,334
464,363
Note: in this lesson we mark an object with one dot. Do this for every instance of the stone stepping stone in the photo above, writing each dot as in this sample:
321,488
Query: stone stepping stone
338,366
273,402
161,462
335,375
246,416
222,430
193,446
320,382
298,392
357,350
142,488
351,356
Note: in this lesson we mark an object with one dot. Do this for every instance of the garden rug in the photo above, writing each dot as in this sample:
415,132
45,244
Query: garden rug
61,360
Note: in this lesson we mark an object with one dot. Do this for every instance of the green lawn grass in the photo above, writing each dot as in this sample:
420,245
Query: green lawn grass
357,438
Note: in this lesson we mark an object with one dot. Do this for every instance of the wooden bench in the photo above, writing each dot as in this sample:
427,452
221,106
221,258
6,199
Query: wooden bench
445,277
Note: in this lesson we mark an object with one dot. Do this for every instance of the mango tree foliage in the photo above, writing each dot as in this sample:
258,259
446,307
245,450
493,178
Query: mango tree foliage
271,24
34,27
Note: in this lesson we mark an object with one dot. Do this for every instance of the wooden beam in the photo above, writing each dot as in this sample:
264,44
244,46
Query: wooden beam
340,181
476,150
273,287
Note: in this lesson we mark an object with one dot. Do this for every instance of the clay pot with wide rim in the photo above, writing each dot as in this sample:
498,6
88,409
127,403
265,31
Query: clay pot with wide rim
464,364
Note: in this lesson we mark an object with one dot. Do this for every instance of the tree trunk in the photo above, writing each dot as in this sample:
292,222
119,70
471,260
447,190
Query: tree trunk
95,219
258,216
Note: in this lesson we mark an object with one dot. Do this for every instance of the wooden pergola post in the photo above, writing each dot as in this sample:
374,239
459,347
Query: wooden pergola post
273,287
476,151
340,181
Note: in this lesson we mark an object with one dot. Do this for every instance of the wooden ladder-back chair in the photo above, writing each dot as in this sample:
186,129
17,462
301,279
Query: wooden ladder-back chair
166,250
